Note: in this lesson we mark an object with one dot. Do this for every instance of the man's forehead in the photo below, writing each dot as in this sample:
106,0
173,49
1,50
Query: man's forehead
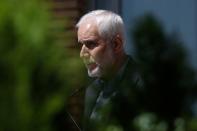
87,25
87,30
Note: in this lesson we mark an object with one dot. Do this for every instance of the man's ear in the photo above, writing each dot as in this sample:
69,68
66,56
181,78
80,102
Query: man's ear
117,44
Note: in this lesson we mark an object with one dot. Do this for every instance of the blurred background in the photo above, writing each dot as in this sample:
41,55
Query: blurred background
41,69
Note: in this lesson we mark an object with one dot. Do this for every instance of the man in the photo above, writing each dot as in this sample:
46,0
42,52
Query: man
112,100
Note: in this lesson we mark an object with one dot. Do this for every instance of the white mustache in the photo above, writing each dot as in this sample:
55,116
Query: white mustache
89,61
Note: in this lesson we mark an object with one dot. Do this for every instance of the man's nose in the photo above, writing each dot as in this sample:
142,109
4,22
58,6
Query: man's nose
84,53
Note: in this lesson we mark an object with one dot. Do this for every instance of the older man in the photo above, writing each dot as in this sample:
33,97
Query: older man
112,100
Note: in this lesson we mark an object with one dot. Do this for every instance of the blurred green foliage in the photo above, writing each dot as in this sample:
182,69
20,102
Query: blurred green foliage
36,72
170,86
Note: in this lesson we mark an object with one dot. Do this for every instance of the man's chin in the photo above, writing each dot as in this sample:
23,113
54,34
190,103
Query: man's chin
94,73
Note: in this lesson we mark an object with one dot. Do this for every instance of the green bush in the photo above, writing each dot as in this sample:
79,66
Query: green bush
36,72
169,80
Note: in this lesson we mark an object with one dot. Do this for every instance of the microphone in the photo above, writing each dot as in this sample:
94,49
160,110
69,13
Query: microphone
77,91
68,113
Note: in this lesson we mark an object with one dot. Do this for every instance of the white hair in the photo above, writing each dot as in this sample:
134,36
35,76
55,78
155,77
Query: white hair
109,24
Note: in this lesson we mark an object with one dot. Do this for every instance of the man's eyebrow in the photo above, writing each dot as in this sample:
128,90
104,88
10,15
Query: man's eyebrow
86,41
